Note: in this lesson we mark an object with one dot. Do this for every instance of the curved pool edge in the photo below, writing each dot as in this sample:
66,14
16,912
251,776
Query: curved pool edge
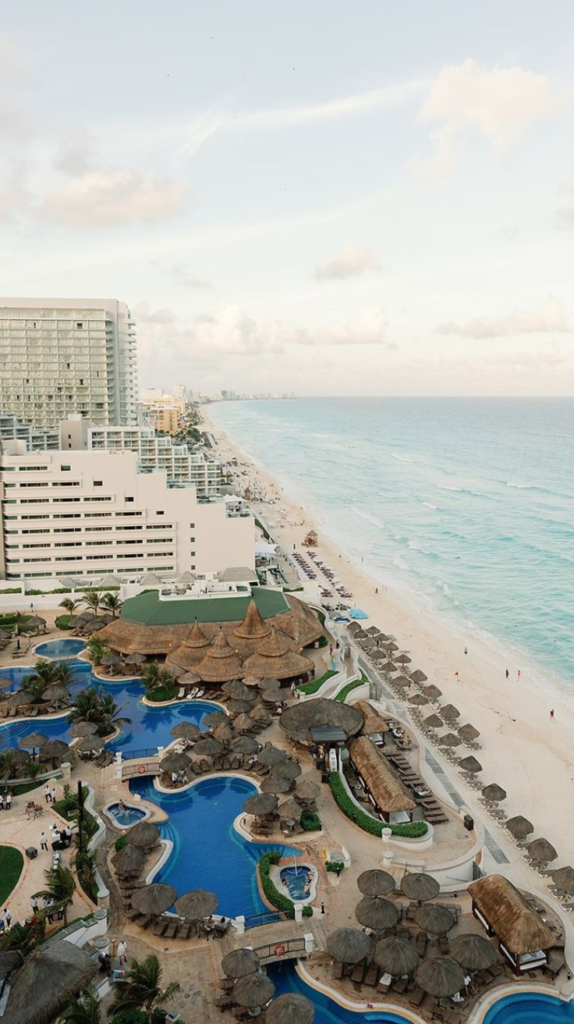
489,1000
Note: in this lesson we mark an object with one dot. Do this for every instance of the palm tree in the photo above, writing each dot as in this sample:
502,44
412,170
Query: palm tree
91,705
155,677
64,674
85,1009
96,649
92,600
141,989
24,937
112,603
61,888
70,604
111,712
20,620
7,767
32,769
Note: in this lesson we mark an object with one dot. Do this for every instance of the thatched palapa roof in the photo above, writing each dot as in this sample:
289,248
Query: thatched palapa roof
302,718
290,1008
516,924
384,786
375,882
220,663
373,722
40,989
275,659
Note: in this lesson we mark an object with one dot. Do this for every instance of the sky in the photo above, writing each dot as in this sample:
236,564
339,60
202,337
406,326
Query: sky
341,198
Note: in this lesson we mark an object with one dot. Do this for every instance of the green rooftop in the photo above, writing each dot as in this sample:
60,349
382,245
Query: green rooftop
148,610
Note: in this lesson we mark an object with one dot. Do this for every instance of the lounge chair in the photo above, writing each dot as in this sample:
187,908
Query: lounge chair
160,927
337,971
417,995
371,976
172,930
358,974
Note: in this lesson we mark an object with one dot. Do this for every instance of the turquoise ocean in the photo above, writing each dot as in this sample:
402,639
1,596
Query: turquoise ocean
465,504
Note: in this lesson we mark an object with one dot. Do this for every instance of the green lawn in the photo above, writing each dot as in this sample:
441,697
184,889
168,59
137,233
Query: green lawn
11,864
148,610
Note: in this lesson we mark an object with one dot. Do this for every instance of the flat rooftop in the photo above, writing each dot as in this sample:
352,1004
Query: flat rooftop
148,610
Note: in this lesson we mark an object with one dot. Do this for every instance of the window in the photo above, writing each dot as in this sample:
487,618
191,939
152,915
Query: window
79,326
159,513
98,483
65,469
129,499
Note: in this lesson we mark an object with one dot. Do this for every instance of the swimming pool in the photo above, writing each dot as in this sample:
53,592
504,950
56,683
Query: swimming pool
530,1008
67,647
207,851
126,815
297,880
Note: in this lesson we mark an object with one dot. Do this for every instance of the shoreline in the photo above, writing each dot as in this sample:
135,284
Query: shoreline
523,749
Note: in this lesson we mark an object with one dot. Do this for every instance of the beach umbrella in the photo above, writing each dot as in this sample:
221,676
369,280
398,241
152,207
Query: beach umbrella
432,692
175,762
5,682
185,731
391,647
396,956
83,729
253,990
375,882
470,765
35,620
377,655
239,707
129,860
473,952
402,681
240,692
260,804
19,699
418,699
373,631
434,919
433,722
564,879
402,659
207,746
290,1008
240,962
135,659
377,914
307,790
40,989
420,886
519,826
243,723
349,945
275,784
271,756
54,750
449,713
19,757
418,677
273,696
228,687
290,811
468,733
33,741
214,719
244,745
269,684
154,899
196,904
541,850
450,739
389,668
260,714
110,660
494,793
439,976
287,770
90,744
144,835
224,733
251,681
359,634
187,679
56,693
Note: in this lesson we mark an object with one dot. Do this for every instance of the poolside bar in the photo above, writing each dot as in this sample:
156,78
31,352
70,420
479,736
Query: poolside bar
523,939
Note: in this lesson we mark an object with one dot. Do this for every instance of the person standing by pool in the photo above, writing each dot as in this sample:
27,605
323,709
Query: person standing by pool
47,793
53,794
122,952
44,841
1,801
8,916
8,801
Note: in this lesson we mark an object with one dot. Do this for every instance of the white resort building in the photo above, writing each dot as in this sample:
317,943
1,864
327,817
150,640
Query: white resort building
159,452
90,513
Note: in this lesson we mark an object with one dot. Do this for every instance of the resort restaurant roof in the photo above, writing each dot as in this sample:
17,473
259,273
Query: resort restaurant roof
328,734
373,722
274,659
505,912
239,574
220,663
302,718
384,786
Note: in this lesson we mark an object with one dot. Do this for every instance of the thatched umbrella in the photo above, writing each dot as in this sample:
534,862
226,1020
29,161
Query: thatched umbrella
494,793
564,879
260,804
83,729
185,731
33,741
268,684
196,904
290,1008
360,634
154,899
238,691
90,744
433,722
19,698
402,681
19,757
307,791
391,647
56,693
439,976
420,887
468,733
418,677
470,764
519,826
225,734
239,707
275,784
244,745
129,860
287,770
271,756
396,956
187,679
432,692
473,952
301,719
349,945
375,882
54,750
373,631
5,682
542,850
402,659
449,712
260,714
40,989
135,659
207,746
434,919
419,700
175,762
273,695
377,914
290,810
388,667
240,962
144,835
450,739
111,660
253,990
216,718
244,723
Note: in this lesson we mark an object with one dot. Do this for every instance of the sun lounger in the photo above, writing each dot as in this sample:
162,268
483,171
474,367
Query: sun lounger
172,930
371,976
185,932
358,974
181,693
417,995
337,971
145,921
160,927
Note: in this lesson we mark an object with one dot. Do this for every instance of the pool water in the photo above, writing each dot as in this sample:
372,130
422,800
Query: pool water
207,851
59,649
530,1008
125,815
296,881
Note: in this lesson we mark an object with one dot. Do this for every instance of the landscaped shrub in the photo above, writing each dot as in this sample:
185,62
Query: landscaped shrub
130,1017
310,822
120,843
316,684
344,693
414,829
322,641
276,898
161,694
307,910
335,866
63,621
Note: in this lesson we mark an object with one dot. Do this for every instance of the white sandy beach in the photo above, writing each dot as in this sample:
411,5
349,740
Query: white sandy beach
523,749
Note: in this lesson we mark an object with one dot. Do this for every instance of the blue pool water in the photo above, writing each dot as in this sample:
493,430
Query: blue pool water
125,816
67,647
530,1009
295,879
207,851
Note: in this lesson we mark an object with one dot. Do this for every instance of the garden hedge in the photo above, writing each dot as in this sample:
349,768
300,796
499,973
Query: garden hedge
317,683
414,830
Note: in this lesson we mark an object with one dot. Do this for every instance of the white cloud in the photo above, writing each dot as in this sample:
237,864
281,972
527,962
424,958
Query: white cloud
14,195
499,105
181,275
355,259
548,318
106,198
75,156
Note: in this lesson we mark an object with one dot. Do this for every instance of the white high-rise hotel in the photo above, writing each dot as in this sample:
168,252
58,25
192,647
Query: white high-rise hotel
61,356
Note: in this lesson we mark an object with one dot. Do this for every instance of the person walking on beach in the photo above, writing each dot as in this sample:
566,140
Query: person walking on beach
466,650
44,842
507,673
518,674
552,713
122,952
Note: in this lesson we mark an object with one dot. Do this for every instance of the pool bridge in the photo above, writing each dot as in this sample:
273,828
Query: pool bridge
138,763
283,949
